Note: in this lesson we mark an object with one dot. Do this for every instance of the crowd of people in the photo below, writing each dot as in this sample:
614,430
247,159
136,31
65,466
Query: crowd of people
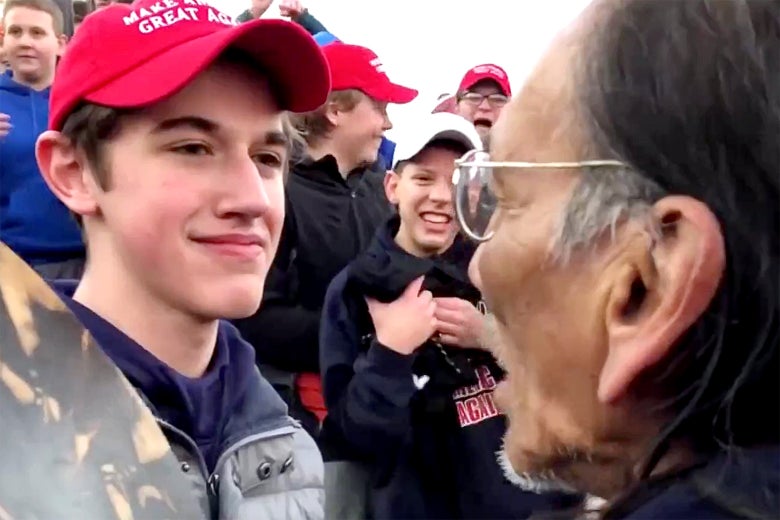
559,303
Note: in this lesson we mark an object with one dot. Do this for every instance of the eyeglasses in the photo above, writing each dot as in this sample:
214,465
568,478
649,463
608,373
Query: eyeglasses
475,202
476,99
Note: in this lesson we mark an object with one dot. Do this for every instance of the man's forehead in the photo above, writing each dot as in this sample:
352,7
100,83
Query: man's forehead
540,122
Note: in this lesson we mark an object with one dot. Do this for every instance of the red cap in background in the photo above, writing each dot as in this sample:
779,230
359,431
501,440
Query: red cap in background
355,67
487,71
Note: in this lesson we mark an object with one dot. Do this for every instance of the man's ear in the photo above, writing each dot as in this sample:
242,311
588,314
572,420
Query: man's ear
660,291
66,174
391,186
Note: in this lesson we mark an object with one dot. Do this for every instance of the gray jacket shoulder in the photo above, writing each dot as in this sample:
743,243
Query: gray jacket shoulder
274,475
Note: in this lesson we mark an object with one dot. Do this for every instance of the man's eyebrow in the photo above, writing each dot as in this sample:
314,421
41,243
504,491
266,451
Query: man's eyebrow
193,122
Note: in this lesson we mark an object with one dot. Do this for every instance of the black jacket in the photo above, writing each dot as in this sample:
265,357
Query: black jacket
328,221
430,450
734,484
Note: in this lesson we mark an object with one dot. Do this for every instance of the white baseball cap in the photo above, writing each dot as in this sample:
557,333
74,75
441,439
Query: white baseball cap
431,127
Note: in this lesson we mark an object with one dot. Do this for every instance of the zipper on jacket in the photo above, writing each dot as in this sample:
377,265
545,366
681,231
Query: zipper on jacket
211,486
34,115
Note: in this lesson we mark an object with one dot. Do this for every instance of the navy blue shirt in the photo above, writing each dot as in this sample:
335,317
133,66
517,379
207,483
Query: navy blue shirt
200,407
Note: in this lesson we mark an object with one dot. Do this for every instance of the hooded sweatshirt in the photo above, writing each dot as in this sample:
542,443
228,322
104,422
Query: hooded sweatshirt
33,222
424,424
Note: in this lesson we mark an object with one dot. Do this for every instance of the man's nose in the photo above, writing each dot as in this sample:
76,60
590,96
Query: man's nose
245,191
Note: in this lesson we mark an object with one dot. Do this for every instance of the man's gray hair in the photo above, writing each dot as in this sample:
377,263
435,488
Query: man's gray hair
604,198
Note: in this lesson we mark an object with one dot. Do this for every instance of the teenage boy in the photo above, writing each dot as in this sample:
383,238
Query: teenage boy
482,94
167,142
33,222
334,205
408,388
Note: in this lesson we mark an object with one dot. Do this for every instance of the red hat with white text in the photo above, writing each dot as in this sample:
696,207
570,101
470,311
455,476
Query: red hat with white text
130,56
355,67
487,71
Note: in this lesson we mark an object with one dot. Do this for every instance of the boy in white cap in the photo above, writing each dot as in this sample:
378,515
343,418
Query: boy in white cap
167,141
409,389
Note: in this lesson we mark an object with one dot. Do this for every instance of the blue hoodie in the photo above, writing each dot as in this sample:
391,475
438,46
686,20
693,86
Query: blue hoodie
33,222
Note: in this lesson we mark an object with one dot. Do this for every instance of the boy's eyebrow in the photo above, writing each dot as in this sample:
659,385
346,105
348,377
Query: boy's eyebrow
272,137
195,122
277,138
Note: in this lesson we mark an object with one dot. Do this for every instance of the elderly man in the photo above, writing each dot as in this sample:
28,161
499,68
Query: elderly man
630,260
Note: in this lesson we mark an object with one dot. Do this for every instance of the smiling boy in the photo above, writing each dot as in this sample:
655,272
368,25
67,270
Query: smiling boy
169,146
32,221
409,389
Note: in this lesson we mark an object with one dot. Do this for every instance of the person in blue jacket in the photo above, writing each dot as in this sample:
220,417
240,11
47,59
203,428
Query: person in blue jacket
33,222
408,387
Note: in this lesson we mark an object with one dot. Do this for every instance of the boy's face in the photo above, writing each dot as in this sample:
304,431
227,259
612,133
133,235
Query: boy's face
30,44
360,130
482,104
195,203
423,194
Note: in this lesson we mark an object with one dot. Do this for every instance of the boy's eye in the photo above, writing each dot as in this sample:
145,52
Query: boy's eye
268,159
192,149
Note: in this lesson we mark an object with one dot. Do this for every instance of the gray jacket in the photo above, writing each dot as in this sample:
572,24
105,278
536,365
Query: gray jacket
270,475
269,467
265,466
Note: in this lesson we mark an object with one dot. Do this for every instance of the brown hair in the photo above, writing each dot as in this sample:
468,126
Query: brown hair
314,126
47,6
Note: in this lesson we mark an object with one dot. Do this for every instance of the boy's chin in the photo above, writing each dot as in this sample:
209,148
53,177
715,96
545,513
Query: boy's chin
235,303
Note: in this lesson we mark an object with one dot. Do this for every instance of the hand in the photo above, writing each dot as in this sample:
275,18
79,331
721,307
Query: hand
291,8
259,7
458,323
406,323
5,124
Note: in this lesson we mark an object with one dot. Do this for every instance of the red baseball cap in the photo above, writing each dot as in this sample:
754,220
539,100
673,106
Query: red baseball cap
355,67
128,56
483,72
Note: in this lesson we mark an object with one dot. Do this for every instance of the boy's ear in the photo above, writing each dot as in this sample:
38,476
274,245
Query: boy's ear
332,113
65,173
391,186
62,41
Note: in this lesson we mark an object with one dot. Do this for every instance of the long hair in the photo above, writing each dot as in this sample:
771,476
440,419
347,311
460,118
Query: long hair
688,93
